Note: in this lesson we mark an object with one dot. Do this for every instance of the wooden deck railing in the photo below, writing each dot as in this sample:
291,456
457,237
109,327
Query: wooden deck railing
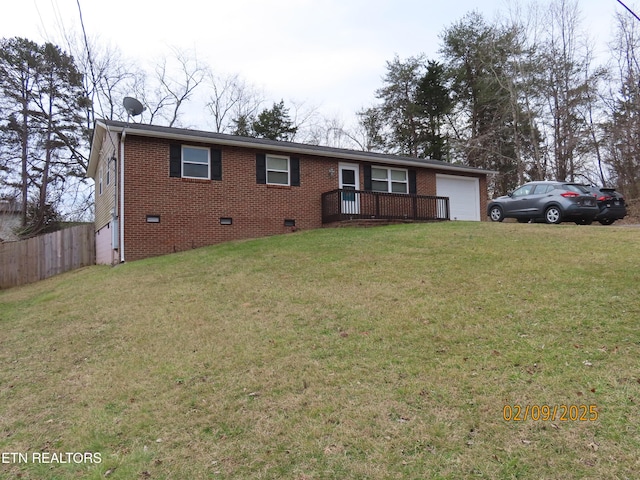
339,205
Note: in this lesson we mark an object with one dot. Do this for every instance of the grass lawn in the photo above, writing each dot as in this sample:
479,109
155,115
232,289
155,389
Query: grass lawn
379,353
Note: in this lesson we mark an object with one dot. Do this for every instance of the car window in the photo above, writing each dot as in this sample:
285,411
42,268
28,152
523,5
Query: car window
575,188
540,189
523,190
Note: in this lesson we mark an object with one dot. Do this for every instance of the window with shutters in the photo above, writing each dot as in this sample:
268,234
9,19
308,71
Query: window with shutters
189,161
195,162
277,170
390,180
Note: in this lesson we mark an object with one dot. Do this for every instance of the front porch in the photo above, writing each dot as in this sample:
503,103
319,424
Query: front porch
345,204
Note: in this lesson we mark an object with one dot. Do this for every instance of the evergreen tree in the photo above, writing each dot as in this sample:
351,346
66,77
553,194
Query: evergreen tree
372,124
242,126
479,59
435,103
18,76
400,109
42,95
274,124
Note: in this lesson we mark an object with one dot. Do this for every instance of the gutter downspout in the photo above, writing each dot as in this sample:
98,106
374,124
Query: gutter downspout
121,214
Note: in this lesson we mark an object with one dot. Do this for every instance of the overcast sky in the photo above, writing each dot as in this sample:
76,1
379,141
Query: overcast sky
330,54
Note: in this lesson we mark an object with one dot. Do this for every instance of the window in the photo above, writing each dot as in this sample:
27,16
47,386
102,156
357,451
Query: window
523,190
195,162
581,189
541,189
389,180
100,175
277,170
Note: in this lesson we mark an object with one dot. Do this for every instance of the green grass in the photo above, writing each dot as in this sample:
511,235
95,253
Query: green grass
376,353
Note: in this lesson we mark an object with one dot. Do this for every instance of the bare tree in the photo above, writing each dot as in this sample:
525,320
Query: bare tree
332,132
306,120
230,98
623,125
108,79
370,134
172,85
566,87
594,106
525,92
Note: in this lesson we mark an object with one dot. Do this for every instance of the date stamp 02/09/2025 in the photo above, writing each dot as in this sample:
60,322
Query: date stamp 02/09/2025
550,413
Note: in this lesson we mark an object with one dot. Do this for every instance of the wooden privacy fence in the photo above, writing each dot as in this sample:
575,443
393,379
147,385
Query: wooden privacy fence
41,257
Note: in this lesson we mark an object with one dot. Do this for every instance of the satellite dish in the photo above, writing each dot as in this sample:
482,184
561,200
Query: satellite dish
132,106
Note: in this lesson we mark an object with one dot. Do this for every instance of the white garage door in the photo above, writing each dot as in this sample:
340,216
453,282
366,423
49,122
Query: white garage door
464,196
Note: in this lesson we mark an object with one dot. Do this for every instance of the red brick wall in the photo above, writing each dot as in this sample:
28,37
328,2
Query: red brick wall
190,210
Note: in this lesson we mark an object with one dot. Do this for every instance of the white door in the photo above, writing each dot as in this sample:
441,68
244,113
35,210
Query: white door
350,180
464,196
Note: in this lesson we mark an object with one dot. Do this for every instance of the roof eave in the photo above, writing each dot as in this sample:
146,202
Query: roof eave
96,147
285,147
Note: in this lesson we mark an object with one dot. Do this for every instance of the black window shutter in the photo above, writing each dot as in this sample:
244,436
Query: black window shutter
294,165
261,168
175,160
216,164
367,177
413,184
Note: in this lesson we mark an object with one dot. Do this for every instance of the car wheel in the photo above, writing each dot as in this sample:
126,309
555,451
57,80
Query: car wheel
606,221
496,214
553,215
584,221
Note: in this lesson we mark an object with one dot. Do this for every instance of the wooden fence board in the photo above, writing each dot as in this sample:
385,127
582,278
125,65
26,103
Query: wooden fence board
41,257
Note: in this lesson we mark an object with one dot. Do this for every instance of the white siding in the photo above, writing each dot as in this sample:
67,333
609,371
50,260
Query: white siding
105,254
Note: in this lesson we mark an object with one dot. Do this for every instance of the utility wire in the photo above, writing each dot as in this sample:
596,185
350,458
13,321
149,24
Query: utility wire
92,70
630,11
90,60
43,25
86,45
55,8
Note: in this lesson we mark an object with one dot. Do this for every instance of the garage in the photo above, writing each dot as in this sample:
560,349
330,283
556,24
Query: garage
463,193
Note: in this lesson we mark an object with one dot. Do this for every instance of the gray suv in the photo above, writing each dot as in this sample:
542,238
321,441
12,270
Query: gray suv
551,202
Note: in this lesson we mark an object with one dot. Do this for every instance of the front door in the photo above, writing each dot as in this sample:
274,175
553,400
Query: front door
349,180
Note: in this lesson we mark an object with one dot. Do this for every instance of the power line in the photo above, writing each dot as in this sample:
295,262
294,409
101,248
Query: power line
44,27
89,58
59,19
86,42
629,10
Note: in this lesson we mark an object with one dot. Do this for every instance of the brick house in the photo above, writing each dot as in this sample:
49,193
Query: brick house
161,190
